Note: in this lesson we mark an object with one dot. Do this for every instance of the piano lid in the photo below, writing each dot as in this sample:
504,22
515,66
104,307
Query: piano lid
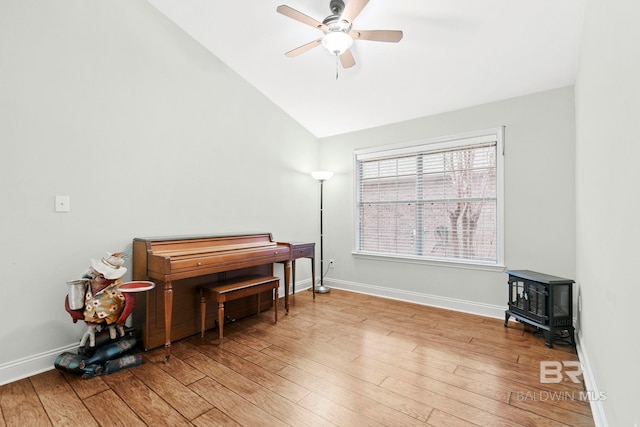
180,246
202,236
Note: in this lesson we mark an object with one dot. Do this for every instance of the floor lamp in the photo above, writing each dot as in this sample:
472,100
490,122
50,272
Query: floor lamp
321,177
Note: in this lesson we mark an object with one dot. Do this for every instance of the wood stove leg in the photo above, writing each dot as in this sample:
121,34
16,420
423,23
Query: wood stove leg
506,319
572,332
548,337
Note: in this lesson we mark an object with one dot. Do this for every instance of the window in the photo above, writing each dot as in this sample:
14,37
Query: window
437,200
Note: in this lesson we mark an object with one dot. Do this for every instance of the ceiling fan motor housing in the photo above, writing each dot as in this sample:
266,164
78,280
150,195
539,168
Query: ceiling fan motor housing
336,6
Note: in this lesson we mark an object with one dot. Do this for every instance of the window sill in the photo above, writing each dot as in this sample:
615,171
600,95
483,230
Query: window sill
431,262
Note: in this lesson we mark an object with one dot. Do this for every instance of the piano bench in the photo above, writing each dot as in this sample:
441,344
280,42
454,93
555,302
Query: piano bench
231,289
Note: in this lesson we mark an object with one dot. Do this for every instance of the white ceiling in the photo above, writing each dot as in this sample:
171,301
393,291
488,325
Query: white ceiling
454,54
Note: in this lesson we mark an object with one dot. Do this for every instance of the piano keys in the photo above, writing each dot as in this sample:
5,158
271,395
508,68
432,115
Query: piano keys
179,264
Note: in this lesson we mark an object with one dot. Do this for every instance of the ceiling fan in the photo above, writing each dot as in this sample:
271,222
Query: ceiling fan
337,28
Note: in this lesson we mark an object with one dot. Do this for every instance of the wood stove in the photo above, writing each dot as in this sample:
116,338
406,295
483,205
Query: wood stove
542,301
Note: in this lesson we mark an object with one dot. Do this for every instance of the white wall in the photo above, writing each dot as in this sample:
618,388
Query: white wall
149,134
608,202
539,203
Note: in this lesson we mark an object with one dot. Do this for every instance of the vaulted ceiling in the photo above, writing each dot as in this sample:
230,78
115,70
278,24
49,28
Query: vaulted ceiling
454,54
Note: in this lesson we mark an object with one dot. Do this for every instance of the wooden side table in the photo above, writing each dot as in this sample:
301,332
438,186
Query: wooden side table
303,250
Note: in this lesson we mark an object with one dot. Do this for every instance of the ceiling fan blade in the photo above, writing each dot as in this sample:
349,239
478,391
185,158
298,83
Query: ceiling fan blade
377,35
346,59
352,10
300,17
305,47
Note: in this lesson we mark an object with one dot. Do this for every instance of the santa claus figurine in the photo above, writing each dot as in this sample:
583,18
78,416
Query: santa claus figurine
104,304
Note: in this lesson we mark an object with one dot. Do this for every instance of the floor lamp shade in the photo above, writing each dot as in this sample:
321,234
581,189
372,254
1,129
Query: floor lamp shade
321,177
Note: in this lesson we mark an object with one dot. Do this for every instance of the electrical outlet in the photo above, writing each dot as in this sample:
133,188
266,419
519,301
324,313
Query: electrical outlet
331,263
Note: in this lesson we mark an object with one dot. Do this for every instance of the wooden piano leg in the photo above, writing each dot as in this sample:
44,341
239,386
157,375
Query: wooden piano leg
220,319
168,311
203,312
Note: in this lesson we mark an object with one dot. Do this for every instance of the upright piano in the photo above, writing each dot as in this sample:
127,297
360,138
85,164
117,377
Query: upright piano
179,264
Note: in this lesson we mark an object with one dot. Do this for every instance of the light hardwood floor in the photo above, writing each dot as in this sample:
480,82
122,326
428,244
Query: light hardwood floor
346,359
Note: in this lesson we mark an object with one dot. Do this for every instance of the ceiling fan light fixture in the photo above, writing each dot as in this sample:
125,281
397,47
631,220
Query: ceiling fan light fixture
337,42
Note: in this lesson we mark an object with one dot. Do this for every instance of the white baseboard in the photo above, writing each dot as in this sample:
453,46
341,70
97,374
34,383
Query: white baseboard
487,310
32,365
597,410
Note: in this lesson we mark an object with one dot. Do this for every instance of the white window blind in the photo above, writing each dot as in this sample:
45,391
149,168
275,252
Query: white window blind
436,200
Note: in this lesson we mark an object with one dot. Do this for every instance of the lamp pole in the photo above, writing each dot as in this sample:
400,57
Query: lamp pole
322,176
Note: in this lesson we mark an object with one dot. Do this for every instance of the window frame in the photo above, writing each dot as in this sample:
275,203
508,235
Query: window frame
436,144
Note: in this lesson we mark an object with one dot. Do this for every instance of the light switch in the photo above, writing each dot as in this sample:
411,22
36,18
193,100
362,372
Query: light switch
62,204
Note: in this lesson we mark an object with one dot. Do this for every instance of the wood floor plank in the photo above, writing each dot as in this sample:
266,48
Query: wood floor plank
437,379
327,355
21,405
179,370
439,418
259,395
179,396
403,357
234,406
85,387
336,413
367,408
213,418
110,410
433,341
330,383
255,373
145,402
462,410
423,332
62,405
238,347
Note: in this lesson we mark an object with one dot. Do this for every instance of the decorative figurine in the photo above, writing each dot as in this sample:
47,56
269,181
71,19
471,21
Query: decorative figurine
104,303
